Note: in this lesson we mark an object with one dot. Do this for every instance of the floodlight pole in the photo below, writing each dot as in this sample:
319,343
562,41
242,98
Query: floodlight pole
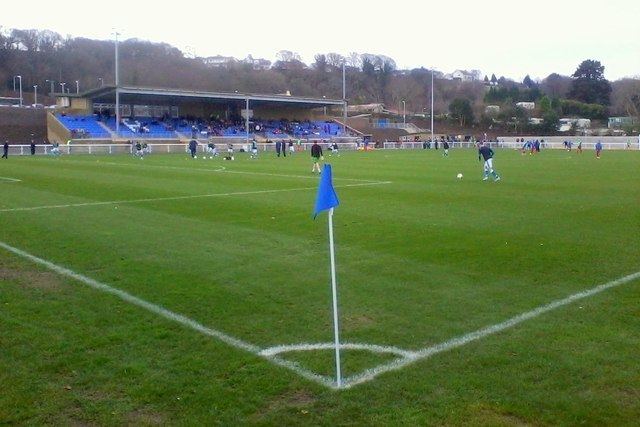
431,105
117,88
404,113
14,86
52,82
334,293
344,99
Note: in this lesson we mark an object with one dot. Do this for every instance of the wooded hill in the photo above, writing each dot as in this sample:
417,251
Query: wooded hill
44,56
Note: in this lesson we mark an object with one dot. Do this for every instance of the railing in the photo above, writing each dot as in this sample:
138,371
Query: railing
511,145
102,149
400,145
608,142
353,144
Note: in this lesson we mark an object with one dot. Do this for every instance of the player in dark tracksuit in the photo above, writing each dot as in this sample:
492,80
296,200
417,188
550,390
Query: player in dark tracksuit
445,145
5,150
193,145
316,155
485,152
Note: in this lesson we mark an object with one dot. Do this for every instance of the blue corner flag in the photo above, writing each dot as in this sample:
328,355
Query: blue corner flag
327,197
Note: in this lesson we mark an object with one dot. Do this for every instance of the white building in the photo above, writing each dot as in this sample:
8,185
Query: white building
464,76
218,61
526,105
257,63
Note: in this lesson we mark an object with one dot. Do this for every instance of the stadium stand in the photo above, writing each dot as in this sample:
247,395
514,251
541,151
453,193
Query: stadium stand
83,126
97,126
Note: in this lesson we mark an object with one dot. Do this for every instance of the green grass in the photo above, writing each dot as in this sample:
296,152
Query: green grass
421,260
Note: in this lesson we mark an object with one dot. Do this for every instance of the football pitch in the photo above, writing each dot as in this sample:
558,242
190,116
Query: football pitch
173,290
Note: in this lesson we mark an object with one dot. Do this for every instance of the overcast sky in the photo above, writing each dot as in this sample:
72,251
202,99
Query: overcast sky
509,38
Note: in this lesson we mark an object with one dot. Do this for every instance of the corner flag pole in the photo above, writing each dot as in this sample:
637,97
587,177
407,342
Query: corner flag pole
327,199
334,291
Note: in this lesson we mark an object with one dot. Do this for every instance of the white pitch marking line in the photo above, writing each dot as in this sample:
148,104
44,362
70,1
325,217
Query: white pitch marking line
272,352
6,178
137,165
297,176
170,315
221,169
426,352
379,349
196,196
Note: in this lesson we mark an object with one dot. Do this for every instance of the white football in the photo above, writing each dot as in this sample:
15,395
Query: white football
459,176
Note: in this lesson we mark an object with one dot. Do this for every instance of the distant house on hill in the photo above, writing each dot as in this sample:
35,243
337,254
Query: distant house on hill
526,105
257,63
218,61
464,76
619,122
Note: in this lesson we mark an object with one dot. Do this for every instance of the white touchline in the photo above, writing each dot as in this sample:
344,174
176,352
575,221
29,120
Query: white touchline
426,352
196,196
6,178
170,315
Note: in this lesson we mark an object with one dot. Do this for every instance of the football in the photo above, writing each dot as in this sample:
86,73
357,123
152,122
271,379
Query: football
459,176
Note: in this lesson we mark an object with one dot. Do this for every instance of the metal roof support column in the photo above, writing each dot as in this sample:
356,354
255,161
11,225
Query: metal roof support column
246,121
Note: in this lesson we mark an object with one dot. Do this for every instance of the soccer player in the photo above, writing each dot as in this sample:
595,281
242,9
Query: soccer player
292,149
254,149
598,149
55,150
445,145
316,155
213,151
485,152
334,149
139,152
5,150
193,145
229,152
579,148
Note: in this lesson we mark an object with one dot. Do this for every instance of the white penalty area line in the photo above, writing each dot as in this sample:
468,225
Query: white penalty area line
7,179
195,196
170,315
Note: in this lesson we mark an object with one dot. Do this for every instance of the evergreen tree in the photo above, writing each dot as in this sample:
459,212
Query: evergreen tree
589,85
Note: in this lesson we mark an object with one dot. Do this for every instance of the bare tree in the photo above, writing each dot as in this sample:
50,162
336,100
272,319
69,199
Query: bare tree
288,56
354,60
335,59
555,85
625,98
321,63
